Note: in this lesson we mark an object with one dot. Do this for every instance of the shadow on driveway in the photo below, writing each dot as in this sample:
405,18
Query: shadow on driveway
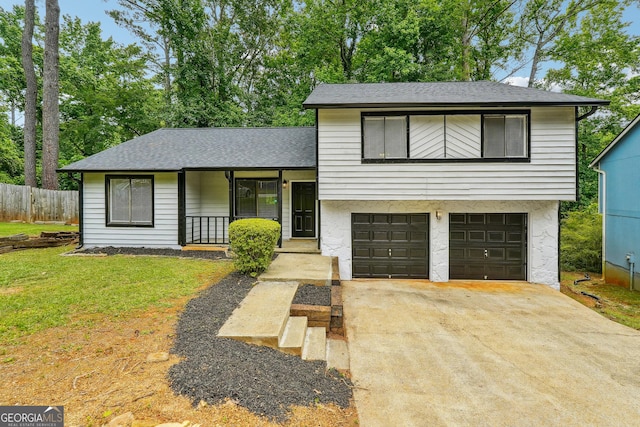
487,353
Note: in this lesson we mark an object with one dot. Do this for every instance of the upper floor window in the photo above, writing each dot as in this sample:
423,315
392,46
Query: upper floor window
129,200
505,135
451,136
385,137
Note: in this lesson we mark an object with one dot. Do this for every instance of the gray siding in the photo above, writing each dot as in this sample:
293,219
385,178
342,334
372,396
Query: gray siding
549,176
164,234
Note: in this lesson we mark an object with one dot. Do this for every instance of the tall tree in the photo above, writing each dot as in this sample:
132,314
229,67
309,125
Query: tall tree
107,96
50,97
31,95
543,22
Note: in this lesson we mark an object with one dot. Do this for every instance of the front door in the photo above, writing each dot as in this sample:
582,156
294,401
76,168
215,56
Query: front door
304,209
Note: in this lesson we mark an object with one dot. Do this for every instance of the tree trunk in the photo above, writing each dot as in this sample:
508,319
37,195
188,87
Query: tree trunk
31,95
50,107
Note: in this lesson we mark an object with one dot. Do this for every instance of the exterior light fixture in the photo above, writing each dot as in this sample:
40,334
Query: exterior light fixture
438,215
285,184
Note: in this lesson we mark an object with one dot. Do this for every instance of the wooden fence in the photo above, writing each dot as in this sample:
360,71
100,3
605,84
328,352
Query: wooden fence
23,203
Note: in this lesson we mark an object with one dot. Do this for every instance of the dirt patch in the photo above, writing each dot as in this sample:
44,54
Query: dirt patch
10,291
99,370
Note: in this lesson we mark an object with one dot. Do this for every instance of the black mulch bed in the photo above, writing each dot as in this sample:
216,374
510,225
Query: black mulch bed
264,380
313,295
110,250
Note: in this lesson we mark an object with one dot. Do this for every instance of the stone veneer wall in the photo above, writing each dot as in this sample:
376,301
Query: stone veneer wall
542,236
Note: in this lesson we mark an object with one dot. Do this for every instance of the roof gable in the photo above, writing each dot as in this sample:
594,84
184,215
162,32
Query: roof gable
438,94
208,148
621,136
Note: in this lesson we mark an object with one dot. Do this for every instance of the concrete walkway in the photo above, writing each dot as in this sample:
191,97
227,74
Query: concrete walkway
502,354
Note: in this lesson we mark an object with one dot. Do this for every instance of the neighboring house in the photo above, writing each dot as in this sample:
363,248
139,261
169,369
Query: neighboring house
399,180
618,166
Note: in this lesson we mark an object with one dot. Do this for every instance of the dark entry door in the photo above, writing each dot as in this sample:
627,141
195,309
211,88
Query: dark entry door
390,245
304,209
488,246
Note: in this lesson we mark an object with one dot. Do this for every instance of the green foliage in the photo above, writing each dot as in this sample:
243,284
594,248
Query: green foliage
253,241
39,288
581,241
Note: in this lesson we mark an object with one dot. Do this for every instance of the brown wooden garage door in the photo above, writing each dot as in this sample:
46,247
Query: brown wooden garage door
488,246
390,245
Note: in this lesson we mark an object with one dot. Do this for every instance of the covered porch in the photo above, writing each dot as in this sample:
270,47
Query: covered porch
211,199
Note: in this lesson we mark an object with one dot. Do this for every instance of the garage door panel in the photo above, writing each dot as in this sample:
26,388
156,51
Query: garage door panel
487,246
400,236
515,237
361,235
476,219
458,236
496,236
476,236
396,245
457,218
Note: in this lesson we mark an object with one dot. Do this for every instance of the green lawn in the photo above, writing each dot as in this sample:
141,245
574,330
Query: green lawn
11,228
40,288
618,303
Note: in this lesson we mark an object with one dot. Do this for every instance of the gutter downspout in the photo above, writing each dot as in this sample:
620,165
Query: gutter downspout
603,205
80,182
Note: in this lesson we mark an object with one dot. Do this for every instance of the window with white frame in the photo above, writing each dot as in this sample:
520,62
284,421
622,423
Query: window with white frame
129,200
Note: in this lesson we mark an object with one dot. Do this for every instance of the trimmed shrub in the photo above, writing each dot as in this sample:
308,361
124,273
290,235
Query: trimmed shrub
253,241
581,241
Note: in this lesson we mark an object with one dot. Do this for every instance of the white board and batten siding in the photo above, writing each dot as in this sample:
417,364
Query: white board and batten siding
164,233
550,175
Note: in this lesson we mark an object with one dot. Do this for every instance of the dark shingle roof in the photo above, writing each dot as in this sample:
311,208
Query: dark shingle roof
208,148
440,94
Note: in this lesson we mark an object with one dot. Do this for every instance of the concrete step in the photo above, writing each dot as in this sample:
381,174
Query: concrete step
293,336
262,316
302,268
315,344
337,355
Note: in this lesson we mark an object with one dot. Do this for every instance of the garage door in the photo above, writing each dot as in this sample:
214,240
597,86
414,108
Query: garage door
488,246
390,245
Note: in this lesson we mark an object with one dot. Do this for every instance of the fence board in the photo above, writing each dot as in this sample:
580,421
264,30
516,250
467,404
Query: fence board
23,203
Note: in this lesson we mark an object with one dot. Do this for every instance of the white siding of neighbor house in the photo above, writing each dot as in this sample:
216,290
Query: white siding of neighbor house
542,232
164,233
550,175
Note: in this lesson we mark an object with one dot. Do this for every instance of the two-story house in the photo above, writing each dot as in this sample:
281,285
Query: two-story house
439,181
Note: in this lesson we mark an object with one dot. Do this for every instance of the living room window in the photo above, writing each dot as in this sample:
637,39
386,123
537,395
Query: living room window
385,137
256,198
505,136
129,200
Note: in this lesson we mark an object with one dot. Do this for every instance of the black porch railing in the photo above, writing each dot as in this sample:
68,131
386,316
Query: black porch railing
207,230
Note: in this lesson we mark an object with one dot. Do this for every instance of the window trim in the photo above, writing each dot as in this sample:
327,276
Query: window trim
445,113
107,187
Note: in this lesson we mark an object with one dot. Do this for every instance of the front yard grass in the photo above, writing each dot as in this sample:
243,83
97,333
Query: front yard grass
40,288
615,302
11,228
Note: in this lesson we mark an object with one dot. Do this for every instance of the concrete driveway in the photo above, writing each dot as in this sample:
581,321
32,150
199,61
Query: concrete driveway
487,354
